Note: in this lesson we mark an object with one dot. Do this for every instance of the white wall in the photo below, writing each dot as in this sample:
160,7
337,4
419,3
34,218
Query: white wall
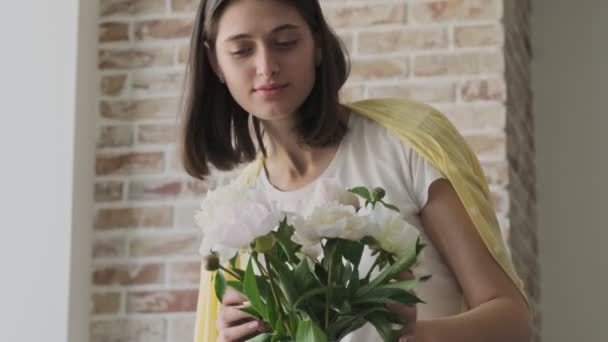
46,145
570,74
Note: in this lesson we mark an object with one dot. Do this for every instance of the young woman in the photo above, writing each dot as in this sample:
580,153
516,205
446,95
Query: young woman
264,77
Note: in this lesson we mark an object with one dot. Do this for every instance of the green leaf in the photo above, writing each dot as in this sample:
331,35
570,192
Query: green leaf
347,271
220,285
310,293
250,287
321,274
352,251
309,331
303,277
386,295
279,327
354,283
346,324
419,246
285,279
361,191
272,312
288,247
390,206
405,285
266,337
234,260
384,327
235,284
252,311
400,265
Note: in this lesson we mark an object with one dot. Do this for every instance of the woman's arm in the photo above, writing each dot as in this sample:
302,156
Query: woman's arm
498,312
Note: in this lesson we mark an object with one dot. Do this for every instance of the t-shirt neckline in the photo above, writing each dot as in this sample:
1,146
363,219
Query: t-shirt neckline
328,170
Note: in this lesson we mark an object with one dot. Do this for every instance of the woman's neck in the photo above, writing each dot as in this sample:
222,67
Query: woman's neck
289,164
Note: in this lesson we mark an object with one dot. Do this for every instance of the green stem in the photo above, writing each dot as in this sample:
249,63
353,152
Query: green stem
369,273
329,280
230,272
274,293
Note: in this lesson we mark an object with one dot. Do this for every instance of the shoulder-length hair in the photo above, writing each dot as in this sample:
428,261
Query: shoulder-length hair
216,130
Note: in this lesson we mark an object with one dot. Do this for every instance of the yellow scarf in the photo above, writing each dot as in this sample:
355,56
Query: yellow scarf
434,137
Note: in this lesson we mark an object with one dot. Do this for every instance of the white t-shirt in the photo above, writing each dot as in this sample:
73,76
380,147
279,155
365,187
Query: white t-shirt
371,156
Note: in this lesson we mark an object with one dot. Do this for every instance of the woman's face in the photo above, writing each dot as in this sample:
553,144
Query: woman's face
266,54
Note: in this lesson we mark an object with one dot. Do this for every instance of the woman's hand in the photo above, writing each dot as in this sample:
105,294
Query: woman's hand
233,324
408,313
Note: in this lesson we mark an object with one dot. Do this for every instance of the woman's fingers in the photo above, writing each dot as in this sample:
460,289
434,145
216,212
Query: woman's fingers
406,275
231,315
232,297
240,331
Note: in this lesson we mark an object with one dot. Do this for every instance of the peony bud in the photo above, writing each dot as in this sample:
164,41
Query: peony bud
378,194
212,262
264,244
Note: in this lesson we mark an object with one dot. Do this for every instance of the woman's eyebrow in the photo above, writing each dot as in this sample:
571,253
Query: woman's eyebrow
280,28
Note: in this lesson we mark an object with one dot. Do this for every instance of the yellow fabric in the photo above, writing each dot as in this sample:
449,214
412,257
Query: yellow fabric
434,137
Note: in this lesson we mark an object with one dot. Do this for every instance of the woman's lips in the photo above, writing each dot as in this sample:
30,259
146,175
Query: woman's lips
271,90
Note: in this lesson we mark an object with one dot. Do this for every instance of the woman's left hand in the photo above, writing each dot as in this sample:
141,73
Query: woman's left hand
407,312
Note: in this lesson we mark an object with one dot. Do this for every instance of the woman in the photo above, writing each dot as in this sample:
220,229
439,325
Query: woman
277,63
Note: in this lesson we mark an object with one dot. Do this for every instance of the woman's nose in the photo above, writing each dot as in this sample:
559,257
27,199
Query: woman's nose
267,64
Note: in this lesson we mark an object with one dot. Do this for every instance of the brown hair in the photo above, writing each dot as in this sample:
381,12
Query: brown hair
216,129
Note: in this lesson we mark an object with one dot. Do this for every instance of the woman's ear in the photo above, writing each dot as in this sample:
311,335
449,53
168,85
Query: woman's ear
213,62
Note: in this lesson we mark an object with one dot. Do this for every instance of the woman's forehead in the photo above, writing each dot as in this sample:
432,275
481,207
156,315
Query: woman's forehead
258,17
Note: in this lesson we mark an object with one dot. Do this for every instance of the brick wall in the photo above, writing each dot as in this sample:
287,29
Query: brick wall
445,53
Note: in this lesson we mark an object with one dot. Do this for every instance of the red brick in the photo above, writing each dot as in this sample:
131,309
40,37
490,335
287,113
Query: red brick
166,301
163,29
166,107
106,303
126,275
185,273
129,330
115,136
145,217
484,90
113,32
402,40
379,68
108,191
129,163
458,64
364,15
456,10
157,134
134,58
114,247
131,7
112,85
154,189
185,245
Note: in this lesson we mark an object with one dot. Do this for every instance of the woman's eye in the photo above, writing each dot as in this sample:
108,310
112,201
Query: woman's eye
240,52
287,43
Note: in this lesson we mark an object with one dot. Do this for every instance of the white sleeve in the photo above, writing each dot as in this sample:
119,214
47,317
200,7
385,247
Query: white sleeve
422,175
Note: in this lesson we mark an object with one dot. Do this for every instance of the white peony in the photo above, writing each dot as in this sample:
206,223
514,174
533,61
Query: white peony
390,230
232,217
328,191
332,220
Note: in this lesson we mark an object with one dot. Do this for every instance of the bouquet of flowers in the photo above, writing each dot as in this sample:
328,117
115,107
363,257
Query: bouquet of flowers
302,270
